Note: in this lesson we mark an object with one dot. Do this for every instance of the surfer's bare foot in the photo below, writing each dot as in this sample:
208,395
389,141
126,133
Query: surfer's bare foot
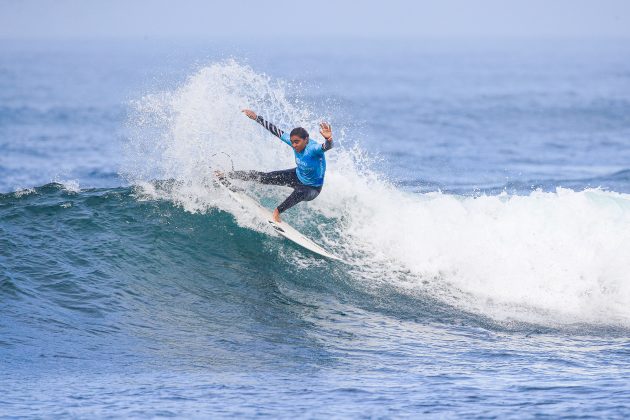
276,216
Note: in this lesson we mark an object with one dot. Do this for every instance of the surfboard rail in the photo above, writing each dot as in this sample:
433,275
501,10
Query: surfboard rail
283,228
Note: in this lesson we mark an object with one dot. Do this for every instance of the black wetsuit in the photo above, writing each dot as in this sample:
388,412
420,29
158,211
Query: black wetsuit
288,177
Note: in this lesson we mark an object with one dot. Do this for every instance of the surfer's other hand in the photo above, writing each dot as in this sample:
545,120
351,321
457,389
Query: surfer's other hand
276,216
251,114
325,130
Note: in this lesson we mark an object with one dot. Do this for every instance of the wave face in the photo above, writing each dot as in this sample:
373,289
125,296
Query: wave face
491,260
546,257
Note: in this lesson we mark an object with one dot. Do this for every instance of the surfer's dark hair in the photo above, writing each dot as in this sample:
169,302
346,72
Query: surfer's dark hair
300,132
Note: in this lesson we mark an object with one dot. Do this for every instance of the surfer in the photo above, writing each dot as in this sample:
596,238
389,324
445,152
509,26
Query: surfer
307,178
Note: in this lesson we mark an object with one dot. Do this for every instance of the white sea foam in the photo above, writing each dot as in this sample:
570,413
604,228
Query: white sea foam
21,192
70,185
548,257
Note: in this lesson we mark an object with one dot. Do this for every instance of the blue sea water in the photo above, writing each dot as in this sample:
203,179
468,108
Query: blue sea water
479,192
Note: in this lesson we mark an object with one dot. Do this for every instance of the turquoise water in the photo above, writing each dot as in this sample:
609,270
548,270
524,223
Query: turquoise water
480,196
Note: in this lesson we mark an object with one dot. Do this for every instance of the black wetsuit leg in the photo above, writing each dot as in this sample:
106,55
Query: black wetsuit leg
286,178
300,193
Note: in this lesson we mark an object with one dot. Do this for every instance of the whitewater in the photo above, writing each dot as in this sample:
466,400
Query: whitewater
544,257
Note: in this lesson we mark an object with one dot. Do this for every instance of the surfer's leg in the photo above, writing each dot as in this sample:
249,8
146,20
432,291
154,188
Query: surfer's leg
300,193
245,175
287,178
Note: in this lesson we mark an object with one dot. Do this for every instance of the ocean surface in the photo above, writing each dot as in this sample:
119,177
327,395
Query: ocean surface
479,194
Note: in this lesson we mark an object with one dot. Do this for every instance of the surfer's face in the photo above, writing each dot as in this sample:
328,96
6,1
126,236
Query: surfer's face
298,143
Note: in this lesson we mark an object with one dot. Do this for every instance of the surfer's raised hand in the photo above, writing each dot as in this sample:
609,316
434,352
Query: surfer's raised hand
251,114
325,130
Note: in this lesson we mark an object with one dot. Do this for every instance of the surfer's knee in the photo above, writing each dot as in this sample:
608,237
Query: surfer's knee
310,194
298,195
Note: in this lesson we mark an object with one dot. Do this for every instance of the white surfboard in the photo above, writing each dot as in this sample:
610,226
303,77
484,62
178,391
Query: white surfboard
283,228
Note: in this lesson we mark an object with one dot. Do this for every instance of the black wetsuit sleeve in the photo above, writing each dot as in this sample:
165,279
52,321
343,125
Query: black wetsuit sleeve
269,126
327,145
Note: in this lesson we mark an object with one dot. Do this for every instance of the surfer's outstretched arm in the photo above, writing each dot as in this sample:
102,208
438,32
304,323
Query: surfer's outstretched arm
269,126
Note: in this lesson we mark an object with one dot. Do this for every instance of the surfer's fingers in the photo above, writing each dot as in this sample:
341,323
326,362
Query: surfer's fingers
251,114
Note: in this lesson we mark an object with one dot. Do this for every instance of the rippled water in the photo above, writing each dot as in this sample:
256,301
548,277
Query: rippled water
480,196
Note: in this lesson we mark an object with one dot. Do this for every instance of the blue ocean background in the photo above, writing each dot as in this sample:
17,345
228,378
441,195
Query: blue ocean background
479,192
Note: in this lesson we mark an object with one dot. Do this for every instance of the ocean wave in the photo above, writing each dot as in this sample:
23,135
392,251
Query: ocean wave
497,261
555,256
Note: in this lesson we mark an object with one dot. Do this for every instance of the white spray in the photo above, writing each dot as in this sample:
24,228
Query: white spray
550,258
